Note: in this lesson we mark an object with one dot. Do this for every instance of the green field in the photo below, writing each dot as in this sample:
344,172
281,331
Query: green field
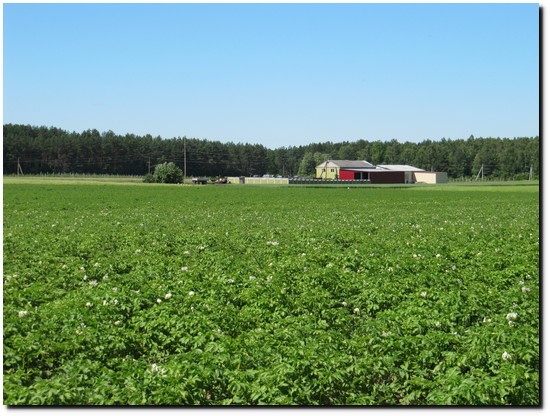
128,293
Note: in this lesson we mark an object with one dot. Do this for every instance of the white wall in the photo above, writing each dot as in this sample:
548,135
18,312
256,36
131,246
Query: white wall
431,177
266,181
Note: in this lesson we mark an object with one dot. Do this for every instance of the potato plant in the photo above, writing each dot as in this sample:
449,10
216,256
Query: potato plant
243,295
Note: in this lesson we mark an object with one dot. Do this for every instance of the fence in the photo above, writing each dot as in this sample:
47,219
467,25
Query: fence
311,181
294,181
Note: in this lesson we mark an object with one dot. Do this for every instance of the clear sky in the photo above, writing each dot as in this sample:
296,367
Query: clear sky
275,74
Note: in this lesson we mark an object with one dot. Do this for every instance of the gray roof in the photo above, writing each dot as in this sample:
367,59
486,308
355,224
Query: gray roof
401,168
376,169
364,166
349,164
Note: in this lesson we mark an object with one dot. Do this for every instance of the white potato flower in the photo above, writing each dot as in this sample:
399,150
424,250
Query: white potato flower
157,369
511,316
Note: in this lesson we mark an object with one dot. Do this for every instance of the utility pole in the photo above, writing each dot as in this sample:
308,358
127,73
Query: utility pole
19,170
480,173
184,158
531,172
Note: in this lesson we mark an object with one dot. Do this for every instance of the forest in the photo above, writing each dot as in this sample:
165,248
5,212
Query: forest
51,150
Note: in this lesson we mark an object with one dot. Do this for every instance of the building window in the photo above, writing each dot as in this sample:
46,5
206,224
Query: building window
332,171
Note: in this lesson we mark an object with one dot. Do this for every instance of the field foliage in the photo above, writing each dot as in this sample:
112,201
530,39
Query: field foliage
160,295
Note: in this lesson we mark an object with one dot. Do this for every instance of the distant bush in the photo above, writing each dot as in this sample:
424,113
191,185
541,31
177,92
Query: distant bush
149,178
168,172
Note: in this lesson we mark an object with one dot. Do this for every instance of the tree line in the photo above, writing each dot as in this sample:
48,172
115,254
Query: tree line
42,150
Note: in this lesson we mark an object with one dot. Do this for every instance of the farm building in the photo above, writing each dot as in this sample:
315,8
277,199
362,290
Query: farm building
350,169
407,171
361,170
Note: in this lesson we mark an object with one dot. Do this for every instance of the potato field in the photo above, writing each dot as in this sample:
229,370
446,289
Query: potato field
143,294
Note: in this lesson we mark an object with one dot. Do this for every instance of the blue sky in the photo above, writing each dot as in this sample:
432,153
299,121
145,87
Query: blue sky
275,74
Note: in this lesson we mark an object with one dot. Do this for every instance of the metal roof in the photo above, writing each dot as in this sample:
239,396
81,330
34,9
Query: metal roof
347,164
374,169
364,166
401,168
